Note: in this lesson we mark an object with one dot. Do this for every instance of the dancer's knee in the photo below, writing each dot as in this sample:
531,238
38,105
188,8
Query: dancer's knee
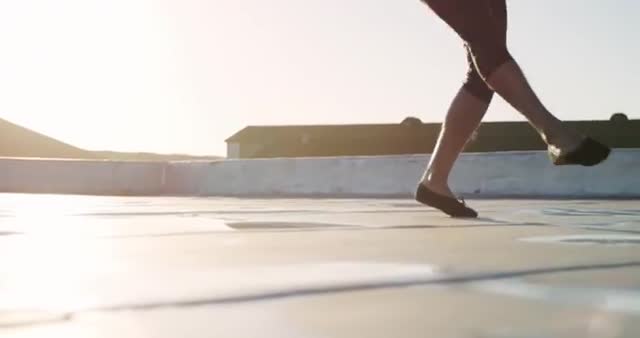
476,86
489,56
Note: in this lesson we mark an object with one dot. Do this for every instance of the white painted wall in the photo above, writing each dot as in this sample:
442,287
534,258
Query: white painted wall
233,150
81,177
514,174
509,174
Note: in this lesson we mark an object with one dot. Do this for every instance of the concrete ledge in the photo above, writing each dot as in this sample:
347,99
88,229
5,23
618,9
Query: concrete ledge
53,176
509,174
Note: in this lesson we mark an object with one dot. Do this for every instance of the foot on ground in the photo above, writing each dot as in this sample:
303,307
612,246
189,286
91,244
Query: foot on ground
443,200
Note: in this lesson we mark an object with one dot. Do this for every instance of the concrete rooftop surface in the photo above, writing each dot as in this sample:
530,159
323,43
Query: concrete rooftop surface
138,267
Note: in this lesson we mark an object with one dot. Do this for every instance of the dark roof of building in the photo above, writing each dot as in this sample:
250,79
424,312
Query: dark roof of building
253,134
411,137
260,134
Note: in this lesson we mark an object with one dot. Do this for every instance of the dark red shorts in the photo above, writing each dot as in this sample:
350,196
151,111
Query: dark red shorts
482,25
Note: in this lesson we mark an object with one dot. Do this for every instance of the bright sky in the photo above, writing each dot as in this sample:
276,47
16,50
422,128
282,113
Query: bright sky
181,76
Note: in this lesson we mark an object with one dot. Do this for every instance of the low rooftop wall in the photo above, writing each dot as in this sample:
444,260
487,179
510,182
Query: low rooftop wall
508,174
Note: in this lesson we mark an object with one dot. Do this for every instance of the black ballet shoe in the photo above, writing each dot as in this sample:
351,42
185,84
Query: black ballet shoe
589,153
448,205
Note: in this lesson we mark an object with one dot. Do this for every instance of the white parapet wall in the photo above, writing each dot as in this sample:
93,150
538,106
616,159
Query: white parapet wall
508,174
53,176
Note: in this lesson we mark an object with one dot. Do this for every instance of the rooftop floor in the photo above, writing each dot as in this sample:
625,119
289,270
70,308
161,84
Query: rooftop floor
81,266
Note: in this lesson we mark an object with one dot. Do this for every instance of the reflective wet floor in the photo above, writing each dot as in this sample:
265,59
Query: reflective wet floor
80,266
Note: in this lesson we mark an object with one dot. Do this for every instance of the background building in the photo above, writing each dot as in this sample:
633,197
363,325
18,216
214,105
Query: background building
409,137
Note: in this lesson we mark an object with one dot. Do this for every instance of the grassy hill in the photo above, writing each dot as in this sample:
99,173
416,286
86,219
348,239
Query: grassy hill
17,141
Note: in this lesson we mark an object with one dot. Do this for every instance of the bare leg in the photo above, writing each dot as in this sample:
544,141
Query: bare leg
464,116
482,24
510,83
468,107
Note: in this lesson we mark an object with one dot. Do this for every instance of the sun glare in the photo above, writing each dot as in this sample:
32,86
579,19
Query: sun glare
52,264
